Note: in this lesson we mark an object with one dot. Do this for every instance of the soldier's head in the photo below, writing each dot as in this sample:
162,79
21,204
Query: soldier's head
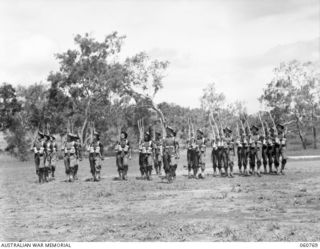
254,129
40,135
199,134
96,136
158,135
147,136
280,128
227,131
123,135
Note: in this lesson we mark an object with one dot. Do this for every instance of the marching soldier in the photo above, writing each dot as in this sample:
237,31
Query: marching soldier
95,156
158,152
229,152
48,156
78,158
147,150
191,154
200,154
282,131
255,150
270,149
38,149
70,155
54,157
170,154
239,146
245,150
123,153
264,149
220,145
214,155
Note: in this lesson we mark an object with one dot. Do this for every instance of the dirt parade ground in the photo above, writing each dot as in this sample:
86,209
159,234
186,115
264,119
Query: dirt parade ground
270,208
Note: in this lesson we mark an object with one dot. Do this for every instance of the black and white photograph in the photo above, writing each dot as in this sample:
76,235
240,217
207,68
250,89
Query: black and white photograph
159,121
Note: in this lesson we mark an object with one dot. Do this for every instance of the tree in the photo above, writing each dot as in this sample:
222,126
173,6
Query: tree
88,75
292,94
9,106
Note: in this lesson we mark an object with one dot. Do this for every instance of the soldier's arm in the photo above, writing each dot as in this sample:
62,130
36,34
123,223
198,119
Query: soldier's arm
101,150
177,149
130,150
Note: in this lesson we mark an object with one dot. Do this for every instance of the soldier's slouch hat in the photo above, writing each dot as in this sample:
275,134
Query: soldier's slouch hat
40,134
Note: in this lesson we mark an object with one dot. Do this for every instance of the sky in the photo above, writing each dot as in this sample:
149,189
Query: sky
234,43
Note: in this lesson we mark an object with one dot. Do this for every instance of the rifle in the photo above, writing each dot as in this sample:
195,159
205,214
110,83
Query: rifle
274,124
211,125
263,130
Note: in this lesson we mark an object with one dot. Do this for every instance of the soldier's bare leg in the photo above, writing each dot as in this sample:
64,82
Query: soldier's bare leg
284,159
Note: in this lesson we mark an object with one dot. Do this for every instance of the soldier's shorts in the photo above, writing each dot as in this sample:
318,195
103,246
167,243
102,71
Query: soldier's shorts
48,159
122,161
202,160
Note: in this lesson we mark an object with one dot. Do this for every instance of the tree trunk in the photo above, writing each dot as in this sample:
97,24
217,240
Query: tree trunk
303,142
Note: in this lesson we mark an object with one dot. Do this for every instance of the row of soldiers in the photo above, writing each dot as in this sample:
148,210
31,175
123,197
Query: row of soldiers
251,147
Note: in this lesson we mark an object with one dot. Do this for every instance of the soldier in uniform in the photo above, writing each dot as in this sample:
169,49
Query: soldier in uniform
264,149
78,158
220,145
95,149
170,154
38,149
200,155
48,156
191,154
147,149
123,153
70,155
214,155
255,150
229,152
245,151
283,147
270,149
158,152
239,145
54,157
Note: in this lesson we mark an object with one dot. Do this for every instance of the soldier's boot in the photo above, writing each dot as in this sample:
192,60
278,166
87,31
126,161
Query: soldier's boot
40,176
75,175
231,171
52,171
226,171
141,172
125,173
203,175
240,170
220,172
270,169
189,173
195,172
265,169
283,164
214,172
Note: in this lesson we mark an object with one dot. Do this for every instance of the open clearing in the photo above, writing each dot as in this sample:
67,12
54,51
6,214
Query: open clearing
270,208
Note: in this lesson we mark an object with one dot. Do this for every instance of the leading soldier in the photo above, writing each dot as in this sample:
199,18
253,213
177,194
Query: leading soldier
38,149
281,149
54,157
